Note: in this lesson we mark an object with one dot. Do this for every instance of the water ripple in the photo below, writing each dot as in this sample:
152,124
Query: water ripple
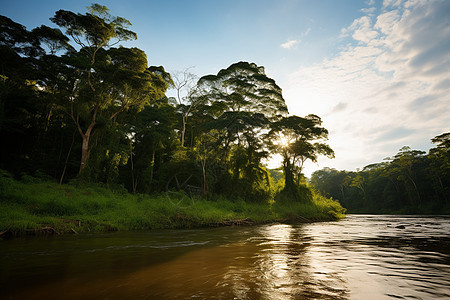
361,257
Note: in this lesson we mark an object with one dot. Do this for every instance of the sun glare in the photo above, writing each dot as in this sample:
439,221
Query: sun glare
283,141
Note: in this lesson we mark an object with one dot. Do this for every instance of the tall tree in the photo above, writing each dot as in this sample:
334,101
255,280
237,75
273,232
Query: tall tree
153,131
92,31
440,164
298,139
184,85
19,107
110,80
405,163
244,86
242,100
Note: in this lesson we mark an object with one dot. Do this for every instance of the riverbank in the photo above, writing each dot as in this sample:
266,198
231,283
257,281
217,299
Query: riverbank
35,207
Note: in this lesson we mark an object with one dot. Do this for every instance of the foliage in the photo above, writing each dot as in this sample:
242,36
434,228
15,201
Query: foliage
297,140
78,106
243,86
410,182
68,208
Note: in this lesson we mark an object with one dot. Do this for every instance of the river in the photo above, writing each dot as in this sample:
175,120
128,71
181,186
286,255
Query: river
360,257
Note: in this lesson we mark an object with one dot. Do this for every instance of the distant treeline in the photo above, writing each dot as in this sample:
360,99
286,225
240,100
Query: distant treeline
411,182
78,105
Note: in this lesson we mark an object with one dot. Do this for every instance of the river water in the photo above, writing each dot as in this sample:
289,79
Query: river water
360,257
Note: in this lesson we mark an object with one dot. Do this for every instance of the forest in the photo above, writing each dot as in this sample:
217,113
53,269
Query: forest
410,182
78,107
122,178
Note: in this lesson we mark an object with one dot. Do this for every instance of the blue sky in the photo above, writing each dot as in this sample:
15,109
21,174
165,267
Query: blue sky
377,72
211,35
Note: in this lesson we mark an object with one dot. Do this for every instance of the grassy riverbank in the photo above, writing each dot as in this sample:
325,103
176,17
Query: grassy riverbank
33,206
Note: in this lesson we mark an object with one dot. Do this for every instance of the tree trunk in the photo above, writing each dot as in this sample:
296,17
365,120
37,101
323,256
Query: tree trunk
204,177
268,182
415,188
67,159
183,130
410,174
361,187
133,181
417,191
342,192
289,184
152,166
442,188
84,153
85,136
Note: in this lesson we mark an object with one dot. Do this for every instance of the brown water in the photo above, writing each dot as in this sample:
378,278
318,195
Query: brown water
361,257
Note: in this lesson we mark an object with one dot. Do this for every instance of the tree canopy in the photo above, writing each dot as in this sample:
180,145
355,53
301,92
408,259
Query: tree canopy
298,139
77,104
409,182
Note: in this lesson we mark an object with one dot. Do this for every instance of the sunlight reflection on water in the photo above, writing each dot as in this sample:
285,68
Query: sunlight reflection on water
361,257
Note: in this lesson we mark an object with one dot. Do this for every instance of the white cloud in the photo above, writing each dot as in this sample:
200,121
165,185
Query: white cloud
392,3
387,22
362,30
389,89
369,10
307,31
290,44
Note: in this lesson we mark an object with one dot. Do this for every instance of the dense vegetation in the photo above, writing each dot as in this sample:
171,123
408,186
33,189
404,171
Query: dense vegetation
79,107
34,206
411,182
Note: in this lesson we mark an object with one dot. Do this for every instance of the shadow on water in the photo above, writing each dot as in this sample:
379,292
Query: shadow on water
34,262
361,257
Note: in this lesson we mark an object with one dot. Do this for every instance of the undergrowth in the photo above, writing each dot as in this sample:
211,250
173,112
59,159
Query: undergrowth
30,205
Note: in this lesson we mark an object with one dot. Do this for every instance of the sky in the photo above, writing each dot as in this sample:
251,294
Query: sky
377,72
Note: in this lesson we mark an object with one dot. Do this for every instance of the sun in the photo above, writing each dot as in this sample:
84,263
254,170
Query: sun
283,141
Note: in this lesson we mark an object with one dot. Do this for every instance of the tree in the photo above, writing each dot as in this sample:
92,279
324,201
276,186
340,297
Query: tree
110,80
152,132
359,181
94,31
243,131
409,182
302,141
405,162
442,149
16,38
204,151
19,106
440,164
239,102
244,86
53,38
18,47
184,83
331,183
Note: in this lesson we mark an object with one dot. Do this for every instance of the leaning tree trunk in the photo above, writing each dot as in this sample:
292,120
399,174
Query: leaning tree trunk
85,151
67,159
416,190
85,136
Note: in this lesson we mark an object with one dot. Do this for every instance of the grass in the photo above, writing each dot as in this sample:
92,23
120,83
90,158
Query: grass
32,206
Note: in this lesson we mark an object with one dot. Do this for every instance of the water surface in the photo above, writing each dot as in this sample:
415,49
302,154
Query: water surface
360,257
